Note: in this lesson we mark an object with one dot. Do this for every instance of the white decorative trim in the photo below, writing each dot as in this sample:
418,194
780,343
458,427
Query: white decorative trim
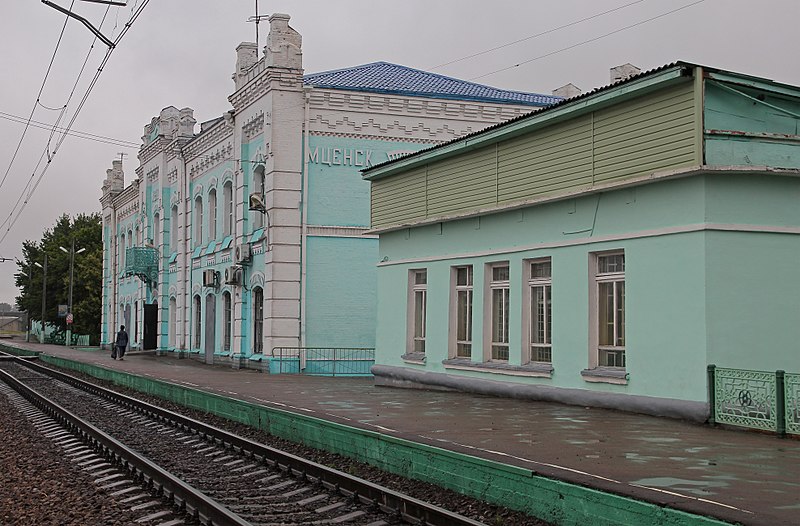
212,184
196,289
257,279
699,227
339,231
173,291
227,176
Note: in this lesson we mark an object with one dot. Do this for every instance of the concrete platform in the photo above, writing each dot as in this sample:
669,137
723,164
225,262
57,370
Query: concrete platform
735,476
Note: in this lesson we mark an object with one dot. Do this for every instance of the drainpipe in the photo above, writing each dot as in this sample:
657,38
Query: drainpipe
304,217
111,323
186,272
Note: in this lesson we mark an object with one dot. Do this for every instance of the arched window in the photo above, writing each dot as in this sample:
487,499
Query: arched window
173,229
227,209
258,320
121,257
258,188
173,321
227,321
198,221
198,322
212,215
156,230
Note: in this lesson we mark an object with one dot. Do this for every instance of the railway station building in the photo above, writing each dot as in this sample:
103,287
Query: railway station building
250,234
603,251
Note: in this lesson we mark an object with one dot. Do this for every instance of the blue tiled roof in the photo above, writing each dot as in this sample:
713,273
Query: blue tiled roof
384,77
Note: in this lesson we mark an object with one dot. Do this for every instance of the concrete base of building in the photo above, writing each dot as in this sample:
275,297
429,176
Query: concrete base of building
391,376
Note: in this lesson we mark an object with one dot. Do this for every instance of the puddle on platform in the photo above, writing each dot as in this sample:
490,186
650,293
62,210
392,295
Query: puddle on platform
696,487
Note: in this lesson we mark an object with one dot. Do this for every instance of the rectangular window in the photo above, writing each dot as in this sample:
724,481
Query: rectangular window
419,297
540,285
610,278
499,287
463,313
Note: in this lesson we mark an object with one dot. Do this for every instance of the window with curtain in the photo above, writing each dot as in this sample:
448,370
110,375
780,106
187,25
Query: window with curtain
463,313
499,287
540,312
610,279
419,297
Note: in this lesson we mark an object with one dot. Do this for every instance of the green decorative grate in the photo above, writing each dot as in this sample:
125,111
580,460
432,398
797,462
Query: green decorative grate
792,402
746,398
143,263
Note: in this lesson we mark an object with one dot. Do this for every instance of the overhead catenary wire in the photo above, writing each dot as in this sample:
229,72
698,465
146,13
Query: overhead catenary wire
41,89
74,133
537,35
595,39
134,16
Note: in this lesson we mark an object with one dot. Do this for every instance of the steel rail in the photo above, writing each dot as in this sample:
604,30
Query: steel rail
408,508
196,503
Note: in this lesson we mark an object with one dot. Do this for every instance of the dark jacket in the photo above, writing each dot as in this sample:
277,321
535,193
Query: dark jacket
122,339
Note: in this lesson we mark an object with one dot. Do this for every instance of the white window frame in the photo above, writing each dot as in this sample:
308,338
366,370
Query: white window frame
173,229
258,320
198,321
537,352
198,219
212,215
461,348
614,355
493,351
417,332
227,209
227,321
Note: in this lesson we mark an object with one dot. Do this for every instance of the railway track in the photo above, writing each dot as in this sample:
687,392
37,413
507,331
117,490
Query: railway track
210,475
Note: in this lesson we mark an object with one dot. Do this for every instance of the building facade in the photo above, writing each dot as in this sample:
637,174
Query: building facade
250,235
603,251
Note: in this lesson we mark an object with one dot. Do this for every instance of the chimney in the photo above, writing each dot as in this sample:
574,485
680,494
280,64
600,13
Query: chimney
246,57
115,179
567,91
283,49
623,72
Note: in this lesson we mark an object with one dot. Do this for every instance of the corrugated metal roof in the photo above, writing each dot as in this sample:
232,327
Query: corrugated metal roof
560,102
384,77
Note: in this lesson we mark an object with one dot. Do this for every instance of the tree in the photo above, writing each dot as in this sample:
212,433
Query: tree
87,283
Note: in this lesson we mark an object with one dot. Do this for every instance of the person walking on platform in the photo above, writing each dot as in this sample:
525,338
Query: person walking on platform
120,344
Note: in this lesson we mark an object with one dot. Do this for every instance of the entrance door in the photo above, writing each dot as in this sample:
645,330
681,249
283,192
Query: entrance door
149,339
211,323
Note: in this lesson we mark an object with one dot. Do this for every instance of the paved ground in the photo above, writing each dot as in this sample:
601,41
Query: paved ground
739,476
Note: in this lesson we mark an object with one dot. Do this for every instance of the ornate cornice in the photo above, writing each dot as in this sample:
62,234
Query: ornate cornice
202,164
203,142
399,106
364,136
263,81
253,127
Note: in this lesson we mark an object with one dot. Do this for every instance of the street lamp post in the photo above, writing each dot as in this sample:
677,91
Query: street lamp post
71,253
44,294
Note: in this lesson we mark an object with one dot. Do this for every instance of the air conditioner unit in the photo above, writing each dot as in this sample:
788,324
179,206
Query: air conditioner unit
232,275
210,278
243,253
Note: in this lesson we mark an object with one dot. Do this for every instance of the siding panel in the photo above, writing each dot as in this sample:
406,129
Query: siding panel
399,199
642,135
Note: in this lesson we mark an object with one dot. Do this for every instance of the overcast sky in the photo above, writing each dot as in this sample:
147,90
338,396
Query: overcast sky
181,53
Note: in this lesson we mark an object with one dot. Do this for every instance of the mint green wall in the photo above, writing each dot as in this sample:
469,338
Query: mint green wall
754,301
665,285
337,195
726,110
753,278
340,295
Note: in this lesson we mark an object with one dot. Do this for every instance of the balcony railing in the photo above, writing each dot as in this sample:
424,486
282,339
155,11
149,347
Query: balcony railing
142,262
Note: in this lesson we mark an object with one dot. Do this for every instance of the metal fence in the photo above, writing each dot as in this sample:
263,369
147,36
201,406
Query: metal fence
755,399
322,361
